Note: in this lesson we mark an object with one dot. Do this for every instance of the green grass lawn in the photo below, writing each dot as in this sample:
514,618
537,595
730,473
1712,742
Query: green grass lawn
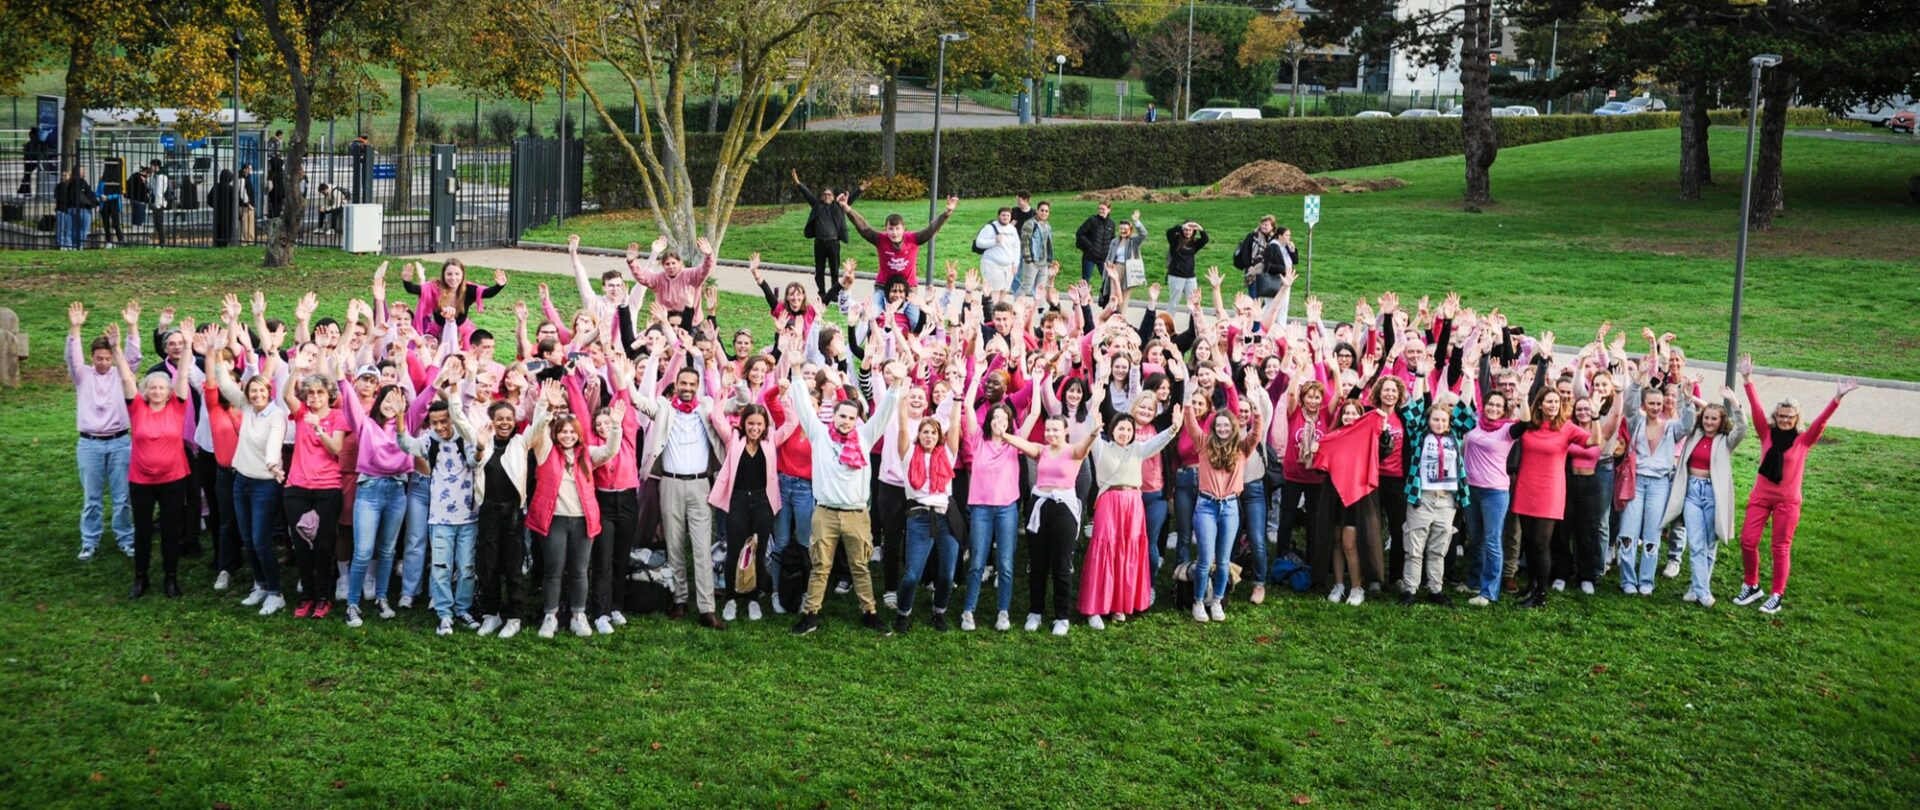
1582,230
1597,701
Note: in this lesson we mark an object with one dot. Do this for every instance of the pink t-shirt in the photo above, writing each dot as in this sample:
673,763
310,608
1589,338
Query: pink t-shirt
996,471
1150,478
1056,469
313,466
1486,455
1395,464
159,455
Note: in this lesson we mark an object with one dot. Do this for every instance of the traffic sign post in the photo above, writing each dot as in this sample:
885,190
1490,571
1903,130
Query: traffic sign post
1311,215
1120,90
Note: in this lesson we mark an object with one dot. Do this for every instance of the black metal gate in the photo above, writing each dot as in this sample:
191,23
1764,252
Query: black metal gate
544,185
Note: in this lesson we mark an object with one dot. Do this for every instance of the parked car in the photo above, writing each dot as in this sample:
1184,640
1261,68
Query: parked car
1616,108
1902,121
1647,104
1223,114
1419,112
1520,109
1374,114
1503,112
1456,112
1878,114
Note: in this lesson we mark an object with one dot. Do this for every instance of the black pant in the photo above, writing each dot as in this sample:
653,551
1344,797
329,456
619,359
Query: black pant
110,222
200,493
1537,534
160,225
1577,540
749,515
1050,557
1393,502
499,584
826,266
167,498
619,525
317,569
889,517
1294,502
229,552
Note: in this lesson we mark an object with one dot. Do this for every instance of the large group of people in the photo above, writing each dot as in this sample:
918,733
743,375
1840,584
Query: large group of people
1216,443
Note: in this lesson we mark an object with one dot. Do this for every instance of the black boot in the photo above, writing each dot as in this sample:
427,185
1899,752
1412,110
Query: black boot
172,587
139,588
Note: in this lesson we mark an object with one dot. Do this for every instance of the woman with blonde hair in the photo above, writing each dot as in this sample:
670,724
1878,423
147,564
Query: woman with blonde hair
1707,499
1775,496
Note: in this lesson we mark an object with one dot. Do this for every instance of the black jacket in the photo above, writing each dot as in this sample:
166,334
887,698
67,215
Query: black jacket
1092,238
826,222
1275,257
1179,255
77,193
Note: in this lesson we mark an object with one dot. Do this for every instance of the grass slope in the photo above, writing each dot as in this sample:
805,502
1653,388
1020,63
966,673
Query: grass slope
1583,230
1597,701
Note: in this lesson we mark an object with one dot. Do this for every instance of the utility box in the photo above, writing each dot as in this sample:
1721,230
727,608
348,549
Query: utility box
361,233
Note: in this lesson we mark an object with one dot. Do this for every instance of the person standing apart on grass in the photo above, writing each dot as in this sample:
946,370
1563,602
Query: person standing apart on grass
313,496
1656,438
563,515
998,244
827,227
1775,496
453,522
674,285
1123,248
1184,241
899,250
501,488
1707,499
158,475
681,444
1037,266
100,416
842,487
1267,255
255,473
1092,238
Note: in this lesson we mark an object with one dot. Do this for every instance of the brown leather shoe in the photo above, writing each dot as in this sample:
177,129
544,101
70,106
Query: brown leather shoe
710,620
677,612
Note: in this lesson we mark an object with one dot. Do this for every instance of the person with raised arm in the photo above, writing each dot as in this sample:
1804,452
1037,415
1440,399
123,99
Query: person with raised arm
993,501
1775,497
1540,487
1225,444
379,497
100,416
1053,530
1706,502
158,473
842,488
501,488
747,492
927,448
680,450
827,227
899,251
254,461
451,298
313,496
453,524
675,286
1656,439
563,514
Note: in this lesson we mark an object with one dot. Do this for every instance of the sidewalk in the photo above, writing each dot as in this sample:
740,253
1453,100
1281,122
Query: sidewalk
1886,407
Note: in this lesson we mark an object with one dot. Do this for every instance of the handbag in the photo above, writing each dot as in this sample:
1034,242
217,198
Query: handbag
1136,273
744,580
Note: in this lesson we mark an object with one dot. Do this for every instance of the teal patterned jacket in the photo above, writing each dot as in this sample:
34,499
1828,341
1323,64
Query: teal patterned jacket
1414,414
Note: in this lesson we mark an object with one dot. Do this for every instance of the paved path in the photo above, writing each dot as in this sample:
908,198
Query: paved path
916,114
1886,407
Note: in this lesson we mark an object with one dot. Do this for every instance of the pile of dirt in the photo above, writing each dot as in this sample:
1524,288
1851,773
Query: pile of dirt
1263,178
1126,194
1360,186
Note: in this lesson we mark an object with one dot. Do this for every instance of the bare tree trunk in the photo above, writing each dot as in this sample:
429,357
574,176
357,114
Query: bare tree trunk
1693,139
1776,91
1481,141
713,102
403,142
1293,100
890,115
1703,159
292,212
79,52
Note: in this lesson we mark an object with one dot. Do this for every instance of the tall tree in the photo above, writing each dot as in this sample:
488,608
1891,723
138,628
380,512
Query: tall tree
1216,30
1277,38
420,40
309,36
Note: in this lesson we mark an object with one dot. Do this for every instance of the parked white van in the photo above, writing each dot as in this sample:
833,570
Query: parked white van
1223,113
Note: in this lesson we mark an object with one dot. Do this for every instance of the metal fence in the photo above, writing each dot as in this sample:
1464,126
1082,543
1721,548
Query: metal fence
454,199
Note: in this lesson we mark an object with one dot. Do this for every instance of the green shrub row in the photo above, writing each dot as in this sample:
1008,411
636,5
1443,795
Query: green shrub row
1079,157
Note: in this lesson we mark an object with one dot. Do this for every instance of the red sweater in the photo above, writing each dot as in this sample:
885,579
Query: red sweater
1793,463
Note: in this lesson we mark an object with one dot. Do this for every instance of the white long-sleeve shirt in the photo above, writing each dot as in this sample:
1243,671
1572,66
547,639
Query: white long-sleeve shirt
835,485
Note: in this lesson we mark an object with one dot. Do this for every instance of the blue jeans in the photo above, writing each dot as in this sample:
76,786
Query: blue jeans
452,579
413,552
1702,548
1155,502
63,227
1488,519
991,526
82,225
927,534
1640,528
379,506
256,508
793,524
1214,521
1253,521
1186,487
1089,269
103,474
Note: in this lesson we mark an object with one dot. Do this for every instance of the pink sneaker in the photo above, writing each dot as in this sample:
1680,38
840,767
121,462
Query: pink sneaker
322,608
306,607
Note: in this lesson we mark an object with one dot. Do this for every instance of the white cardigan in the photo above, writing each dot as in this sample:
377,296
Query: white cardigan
515,460
1723,503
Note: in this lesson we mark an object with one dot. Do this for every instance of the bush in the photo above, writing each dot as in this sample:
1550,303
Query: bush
429,129
1076,98
1796,117
464,133
1079,157
501,124
897,188
1347,105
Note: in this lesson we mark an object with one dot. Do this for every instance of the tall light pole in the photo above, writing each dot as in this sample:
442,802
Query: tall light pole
1553,59
1761,62
939,87
1059,81
1186,92
1027,108
233,219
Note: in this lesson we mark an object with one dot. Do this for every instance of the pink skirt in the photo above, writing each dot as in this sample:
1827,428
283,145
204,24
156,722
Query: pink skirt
1116,577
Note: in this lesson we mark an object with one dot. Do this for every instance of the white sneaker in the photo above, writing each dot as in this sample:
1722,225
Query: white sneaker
578,624
619,619
1356,596
255,597
1479,601
272,604
510,629
1690,596
445,628
386,610
86,555
843,588
1772,605
353,616
1200,613
1338,593
548,624
1748,595
966,620
221,582
489,625
778,609
340,588
1096,623
406,602
1559,585
891,599
1706,600
1033,622
1118,617
1059,627
730,612
1259,594
1586,588
1646,590
603,626
1672,570
1001,622
1216,612
1173,542
753,611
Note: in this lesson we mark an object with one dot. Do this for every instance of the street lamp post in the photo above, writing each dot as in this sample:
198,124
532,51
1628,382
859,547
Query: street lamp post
1759,63
939,87
1059,81
233,218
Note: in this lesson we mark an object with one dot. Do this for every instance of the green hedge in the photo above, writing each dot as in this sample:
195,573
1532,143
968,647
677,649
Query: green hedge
1078,157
